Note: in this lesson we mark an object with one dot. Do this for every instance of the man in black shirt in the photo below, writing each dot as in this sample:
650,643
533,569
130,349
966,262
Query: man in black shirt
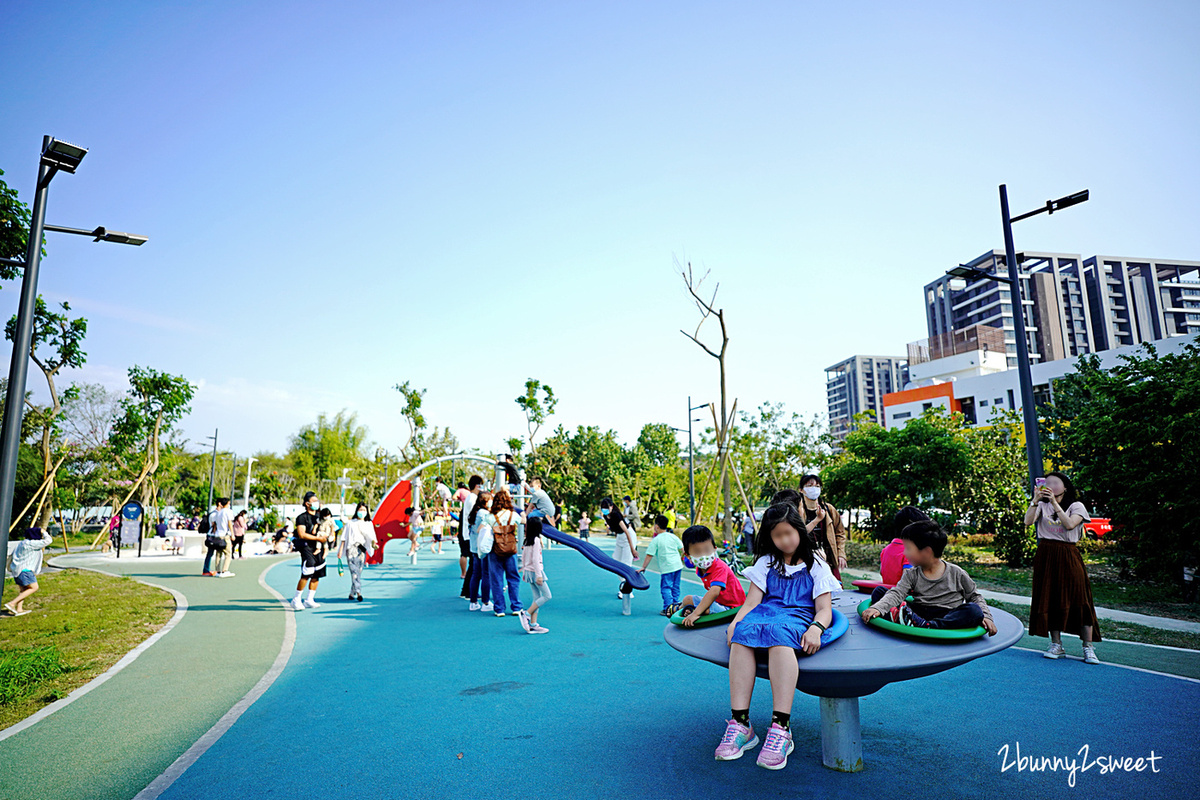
306,544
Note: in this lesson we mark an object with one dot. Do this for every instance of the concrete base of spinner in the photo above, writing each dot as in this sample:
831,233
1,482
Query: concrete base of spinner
412,558
841,734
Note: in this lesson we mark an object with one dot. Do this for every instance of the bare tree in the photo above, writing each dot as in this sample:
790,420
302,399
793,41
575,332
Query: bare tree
708,309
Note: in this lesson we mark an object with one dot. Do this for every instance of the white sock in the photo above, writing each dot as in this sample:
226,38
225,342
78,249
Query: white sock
298,593
311,593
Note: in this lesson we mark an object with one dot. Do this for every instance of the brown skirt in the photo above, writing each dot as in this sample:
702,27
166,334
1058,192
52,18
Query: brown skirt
1062,593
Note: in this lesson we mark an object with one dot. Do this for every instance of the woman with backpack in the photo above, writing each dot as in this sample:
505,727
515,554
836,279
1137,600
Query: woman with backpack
503,560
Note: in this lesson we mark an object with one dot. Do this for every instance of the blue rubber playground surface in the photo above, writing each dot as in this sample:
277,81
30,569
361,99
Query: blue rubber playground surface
410,695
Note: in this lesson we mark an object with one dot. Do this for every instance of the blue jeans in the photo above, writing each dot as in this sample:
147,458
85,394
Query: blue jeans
501,568
481,584
668,584
208,559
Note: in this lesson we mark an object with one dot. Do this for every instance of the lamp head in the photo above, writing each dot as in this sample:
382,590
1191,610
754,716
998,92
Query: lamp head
63,155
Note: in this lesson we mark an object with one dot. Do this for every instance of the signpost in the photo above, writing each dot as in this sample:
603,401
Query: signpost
130,530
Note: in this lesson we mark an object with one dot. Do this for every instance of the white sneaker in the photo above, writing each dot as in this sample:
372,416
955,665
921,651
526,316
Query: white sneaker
486,607
1089,655
225,574
297,604
474,607
310,603
1055,651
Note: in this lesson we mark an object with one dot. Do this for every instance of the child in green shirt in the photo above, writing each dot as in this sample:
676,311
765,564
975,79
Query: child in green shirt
669,551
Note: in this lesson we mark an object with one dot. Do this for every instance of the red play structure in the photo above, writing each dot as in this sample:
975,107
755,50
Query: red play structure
390,520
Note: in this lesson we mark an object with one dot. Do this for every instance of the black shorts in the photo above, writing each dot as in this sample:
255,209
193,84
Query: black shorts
437,537
464,548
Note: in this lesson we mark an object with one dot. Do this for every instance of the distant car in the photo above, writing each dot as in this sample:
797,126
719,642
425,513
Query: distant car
1098,527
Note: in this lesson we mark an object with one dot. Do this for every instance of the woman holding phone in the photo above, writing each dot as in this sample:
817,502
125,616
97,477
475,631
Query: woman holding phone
1062,593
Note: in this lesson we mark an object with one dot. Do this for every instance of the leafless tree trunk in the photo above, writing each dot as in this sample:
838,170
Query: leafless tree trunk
707,309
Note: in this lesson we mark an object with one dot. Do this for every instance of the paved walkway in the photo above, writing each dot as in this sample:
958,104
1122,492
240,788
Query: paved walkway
115,740
411,695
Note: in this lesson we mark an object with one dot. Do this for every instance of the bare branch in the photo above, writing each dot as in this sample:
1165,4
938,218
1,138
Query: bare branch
703,346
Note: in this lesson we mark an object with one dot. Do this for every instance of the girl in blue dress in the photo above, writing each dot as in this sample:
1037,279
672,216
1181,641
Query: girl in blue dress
788,606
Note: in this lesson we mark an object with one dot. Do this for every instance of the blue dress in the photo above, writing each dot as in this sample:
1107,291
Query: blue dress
784,614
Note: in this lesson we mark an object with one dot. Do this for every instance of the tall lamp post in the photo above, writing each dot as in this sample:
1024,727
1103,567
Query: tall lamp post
57,156
691,461
246,497
1033,441
212,471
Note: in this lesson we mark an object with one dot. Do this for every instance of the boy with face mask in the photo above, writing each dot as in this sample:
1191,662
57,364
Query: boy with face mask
723,589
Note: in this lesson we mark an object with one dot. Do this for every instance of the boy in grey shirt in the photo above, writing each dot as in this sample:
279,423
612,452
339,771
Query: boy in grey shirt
943,594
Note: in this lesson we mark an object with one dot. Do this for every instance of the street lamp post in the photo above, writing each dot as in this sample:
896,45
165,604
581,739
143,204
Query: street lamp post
246,497
692,462
1033,441
57,156
212,471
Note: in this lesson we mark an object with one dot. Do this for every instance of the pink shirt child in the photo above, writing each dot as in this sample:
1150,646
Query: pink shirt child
892,562
531,559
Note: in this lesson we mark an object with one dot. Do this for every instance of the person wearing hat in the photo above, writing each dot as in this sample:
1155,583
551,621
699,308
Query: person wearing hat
312,567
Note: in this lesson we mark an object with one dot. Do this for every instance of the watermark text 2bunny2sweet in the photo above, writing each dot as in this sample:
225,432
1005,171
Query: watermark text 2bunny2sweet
1081,761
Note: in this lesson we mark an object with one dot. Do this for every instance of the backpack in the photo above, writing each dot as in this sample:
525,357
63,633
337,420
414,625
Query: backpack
203,526
504,538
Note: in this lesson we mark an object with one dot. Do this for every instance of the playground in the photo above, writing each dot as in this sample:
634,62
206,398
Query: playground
412,695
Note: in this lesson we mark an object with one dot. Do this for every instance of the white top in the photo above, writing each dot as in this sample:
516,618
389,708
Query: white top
1048,529
222,517
444,491
822,575
27,555
358,532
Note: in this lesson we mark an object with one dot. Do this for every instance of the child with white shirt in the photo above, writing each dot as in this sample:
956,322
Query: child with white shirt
533,573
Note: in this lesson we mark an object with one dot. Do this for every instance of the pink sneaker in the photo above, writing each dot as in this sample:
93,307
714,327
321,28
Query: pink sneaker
777,748
737,740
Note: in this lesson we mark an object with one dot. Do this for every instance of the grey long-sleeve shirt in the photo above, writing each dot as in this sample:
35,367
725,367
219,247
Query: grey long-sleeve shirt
951,590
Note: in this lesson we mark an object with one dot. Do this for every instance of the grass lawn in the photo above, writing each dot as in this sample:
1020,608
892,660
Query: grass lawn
81,624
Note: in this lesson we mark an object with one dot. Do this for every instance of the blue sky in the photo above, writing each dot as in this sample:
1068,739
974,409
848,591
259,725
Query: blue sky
340,197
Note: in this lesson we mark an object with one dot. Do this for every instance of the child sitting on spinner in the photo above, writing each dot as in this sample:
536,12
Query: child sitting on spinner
943,594
723,590
789,606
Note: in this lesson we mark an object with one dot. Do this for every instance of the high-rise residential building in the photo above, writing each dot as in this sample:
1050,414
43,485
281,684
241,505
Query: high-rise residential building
1072,305
858,384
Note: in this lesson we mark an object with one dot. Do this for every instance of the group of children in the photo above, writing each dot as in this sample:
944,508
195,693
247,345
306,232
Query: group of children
789,604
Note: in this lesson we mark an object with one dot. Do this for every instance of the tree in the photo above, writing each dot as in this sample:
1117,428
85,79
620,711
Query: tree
155,403
14,229
657,440
707,309
537,410
884,469
320,451
1130,439
55,342
774,450
991,496
415,419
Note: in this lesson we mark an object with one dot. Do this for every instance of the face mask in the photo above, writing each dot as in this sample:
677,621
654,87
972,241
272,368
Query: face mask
704,562
315,505
812,492
604,511
361,514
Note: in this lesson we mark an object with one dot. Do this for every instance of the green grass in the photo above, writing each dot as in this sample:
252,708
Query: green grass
81,624
22,670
